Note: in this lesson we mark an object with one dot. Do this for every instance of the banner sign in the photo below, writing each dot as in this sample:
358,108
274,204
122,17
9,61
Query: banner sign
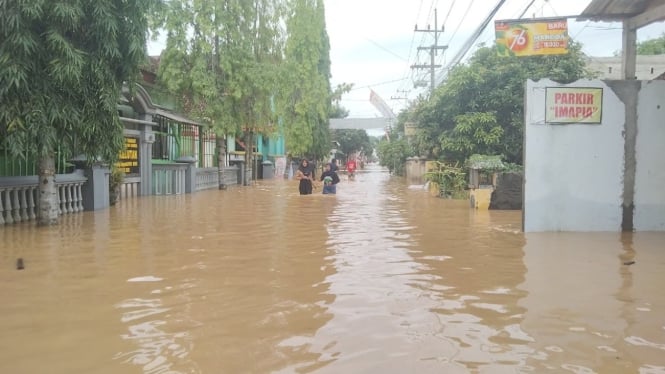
280,166
573,105
535,37
129,157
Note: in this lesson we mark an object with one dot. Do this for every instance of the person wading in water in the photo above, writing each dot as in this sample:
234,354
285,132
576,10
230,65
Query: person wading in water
330,180
305,175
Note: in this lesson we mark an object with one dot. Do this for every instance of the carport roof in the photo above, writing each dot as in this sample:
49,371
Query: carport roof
638,12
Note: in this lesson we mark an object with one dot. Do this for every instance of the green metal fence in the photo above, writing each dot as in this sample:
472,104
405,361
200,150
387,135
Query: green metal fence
175,139
208,151
11,166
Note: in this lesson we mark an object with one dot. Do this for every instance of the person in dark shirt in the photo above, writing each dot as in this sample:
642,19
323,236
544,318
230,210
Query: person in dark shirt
305,175
329,179
333,165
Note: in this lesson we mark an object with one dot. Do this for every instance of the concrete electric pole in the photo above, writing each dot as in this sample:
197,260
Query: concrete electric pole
404,97
432,51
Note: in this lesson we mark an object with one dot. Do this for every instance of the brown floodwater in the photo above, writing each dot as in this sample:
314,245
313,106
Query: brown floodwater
380,278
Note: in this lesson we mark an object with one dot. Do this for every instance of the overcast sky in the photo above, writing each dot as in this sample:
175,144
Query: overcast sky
373,42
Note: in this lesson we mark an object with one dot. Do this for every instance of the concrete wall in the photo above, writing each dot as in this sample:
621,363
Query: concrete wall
579,177
573,172
415,170
507,194
650,158
479,198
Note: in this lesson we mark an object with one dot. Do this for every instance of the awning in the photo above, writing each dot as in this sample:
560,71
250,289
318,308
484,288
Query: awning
175,117
637,13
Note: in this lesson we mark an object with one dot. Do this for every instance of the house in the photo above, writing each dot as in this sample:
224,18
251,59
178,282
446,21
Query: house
647,67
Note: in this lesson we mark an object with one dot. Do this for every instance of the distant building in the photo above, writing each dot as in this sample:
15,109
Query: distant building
648,67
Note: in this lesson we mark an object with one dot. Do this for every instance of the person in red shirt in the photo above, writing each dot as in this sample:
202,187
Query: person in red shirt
351,168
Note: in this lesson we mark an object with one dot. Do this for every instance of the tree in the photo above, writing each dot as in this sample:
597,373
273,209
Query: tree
337,110
304,102
393,154
480,107
222,58
654,46
352,140
374,143
62,67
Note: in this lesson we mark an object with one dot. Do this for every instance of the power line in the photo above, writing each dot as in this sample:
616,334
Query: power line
405,97
469,43
527,8
386,49
466,12
378,84
408,70
450,10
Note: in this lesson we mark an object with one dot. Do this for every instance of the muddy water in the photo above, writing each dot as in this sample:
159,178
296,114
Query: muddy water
378,279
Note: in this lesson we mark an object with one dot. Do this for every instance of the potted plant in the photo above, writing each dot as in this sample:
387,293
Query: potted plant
116,179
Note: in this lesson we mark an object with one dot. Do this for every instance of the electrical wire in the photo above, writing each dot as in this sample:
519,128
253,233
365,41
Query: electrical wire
377,84
413,37
461,21
450,10
526,9
386,50
469,43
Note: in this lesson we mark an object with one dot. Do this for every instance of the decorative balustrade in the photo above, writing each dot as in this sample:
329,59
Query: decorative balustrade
130,188
230,175
207,178
168,179
19,196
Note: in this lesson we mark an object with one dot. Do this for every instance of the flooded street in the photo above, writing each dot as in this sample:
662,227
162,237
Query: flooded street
381,278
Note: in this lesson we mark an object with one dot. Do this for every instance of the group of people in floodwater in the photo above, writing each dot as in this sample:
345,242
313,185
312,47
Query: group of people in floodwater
306,175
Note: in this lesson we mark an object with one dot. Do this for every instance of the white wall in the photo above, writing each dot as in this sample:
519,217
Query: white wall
573,172
650,155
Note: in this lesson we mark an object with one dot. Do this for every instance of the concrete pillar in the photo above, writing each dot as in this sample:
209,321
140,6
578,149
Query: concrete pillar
145,159
96,190
628,91
190,173
241,173
629,59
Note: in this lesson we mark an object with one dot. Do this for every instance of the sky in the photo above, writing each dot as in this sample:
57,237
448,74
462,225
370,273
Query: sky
373,43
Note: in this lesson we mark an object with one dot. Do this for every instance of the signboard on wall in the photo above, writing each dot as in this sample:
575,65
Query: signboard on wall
280,166
129,157
410,129
573,105
535,37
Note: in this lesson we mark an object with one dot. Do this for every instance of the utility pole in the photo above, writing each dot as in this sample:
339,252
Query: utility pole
432,50
403,97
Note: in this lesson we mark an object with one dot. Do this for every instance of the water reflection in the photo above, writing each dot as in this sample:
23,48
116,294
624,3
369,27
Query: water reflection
379,278
421,285
587,310
475,295
251,270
